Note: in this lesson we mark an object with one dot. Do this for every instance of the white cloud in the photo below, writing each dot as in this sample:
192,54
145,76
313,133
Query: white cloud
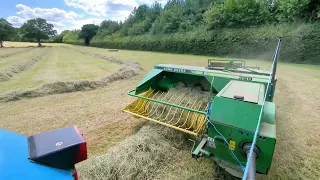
52,14
107,8
117,10
79,23
55,16
16,21
163,2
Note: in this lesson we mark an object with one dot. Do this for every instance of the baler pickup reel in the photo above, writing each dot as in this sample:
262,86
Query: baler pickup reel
180,111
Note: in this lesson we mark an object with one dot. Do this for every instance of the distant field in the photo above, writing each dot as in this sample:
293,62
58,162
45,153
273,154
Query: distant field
60,63
9,44
14,56
98,113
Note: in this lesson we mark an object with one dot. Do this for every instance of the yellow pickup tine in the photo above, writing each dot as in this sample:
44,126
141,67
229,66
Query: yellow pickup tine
187,119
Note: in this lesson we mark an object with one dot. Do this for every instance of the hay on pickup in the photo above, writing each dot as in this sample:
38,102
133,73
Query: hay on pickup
137,157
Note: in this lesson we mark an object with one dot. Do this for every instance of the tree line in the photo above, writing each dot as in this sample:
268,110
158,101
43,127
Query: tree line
181,16
234,28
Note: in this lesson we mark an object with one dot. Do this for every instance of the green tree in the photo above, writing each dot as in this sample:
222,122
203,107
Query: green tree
59,38
139,28
87,32
72,37
169,20
193,14
142,20
235,13
37,29
154,11
6,31
297,10
108,27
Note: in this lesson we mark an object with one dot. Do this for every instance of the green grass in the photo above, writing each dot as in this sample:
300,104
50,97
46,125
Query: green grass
149,59
59,64
9,51
6,62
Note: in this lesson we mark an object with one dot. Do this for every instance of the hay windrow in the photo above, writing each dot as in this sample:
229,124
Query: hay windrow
127,70
8,73
138,157
110,59
18,52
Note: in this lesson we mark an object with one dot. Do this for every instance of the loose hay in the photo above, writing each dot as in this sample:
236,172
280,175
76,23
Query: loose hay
137,157
18,52
6,74
128,70
142,155
110,59
191,96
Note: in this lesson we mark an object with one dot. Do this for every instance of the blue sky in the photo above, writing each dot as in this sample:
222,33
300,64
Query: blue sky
68,14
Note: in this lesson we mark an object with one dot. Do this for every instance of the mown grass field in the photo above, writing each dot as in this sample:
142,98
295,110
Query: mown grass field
59,63
98,113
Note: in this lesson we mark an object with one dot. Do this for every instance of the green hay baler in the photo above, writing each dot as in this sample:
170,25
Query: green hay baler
237,126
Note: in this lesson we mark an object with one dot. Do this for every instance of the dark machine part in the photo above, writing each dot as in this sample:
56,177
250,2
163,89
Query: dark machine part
60,148
252,168
274,69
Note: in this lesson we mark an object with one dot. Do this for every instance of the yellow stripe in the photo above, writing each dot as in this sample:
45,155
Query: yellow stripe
162,123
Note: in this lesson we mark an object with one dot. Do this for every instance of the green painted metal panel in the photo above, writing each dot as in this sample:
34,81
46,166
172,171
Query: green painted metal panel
239,136
235,113
244,115
269,113
268,130
201,71
249,91
150,75
220,82
191,72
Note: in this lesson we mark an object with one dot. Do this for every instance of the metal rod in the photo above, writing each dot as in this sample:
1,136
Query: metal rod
145,101
181,99
176,110
164,107
161,102
251,153
252,167
274,69
157,106
147,105
169,125
153,104
194,120
195,102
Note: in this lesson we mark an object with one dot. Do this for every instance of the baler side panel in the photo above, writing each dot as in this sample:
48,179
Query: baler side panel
238,113
222,151
236,120
235,113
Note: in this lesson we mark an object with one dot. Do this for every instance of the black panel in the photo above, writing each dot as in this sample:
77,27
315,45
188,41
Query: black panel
57,148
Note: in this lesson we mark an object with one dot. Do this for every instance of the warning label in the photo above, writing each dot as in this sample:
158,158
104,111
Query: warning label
232,145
